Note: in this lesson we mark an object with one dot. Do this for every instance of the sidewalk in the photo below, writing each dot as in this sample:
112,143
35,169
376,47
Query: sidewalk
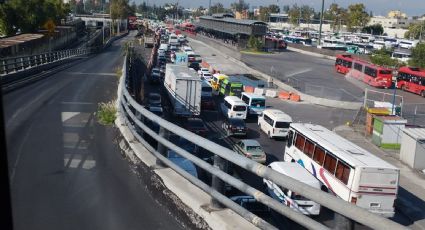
411,194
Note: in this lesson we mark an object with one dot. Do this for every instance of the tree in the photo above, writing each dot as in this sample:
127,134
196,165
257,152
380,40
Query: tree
336,14
294,14
198,12
415,30
383,57
254,43
418,56
264,14
240,6
375,29
306,13
8,19
274,9
357,16
286,8
217,9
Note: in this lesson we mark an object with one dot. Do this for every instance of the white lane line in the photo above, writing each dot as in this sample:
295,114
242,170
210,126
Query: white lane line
290,74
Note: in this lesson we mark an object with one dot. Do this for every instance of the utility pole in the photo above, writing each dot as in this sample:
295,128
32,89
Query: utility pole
209,7
321,21
420,33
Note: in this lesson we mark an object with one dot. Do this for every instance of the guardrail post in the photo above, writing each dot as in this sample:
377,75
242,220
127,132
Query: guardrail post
217,183
15,68
161,148
342,222
4,67
22,63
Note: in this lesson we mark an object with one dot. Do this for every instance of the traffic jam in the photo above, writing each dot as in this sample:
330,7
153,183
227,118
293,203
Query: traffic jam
184,89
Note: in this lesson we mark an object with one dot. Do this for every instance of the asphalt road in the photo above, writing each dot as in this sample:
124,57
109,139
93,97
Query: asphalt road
66,170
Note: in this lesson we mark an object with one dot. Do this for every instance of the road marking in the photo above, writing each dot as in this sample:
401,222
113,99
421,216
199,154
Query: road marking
298,72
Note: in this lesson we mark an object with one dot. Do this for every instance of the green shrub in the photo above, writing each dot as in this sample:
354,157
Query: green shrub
106,113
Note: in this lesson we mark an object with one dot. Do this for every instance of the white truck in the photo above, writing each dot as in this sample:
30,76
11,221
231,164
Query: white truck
184,88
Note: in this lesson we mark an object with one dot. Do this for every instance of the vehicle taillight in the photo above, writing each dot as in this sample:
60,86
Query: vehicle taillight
353,200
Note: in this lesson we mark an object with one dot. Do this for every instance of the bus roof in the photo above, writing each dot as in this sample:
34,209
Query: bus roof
220,76
253,95
413,70
295,171
277,114
237,100
344,149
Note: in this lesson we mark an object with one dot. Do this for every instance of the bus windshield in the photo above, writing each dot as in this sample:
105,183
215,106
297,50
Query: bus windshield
258,102
281,124
206,89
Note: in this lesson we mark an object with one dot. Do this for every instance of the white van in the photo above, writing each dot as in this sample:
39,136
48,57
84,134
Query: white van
292,199
274,123
256,103
163,47
408,44
234,107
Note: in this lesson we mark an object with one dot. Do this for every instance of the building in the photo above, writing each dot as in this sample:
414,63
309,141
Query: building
392,23
396,14
278,17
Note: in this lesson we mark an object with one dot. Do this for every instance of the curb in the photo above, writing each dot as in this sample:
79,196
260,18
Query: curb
305,97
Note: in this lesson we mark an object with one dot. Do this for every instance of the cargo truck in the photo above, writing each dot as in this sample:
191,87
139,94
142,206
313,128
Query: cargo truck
149,40
184,88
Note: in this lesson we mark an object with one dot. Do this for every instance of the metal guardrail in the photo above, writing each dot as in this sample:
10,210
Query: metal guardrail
16,64
337,205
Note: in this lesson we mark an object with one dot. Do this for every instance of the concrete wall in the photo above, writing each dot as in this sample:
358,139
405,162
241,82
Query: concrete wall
282,25
398,33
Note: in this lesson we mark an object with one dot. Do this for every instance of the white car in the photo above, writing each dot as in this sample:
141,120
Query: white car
206,76
187,49
203,70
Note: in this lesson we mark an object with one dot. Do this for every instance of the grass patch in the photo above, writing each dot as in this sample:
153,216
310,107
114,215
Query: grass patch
249,51
106,113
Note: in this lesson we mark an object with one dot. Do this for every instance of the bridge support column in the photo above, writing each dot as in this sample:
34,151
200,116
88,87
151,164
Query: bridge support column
342,222
217,183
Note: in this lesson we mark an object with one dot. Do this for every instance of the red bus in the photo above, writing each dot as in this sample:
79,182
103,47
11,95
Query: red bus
369,73
343,63
411,79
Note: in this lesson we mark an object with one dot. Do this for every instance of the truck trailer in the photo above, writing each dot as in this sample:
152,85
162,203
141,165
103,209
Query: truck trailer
184,88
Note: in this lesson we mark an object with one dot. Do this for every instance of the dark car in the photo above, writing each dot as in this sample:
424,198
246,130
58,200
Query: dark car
252,205
207,103
234,127
195,66
196,125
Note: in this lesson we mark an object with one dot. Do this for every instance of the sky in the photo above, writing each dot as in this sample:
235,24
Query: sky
378,7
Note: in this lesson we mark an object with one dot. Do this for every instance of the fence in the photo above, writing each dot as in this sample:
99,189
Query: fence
126,105
16,64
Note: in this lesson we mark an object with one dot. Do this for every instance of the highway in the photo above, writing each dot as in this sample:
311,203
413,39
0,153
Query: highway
66,170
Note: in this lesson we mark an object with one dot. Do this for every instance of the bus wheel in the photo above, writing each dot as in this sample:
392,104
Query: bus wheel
423,93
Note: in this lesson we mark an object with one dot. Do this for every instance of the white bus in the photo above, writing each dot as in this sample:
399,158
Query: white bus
234,107
256,103
401,55
346,170
408,44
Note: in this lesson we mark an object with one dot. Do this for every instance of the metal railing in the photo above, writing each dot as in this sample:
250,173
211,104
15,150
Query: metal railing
126,105
16,64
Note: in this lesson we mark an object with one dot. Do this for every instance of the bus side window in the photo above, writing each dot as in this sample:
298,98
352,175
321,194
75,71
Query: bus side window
309,148
245,99
299,142
319,155
342,172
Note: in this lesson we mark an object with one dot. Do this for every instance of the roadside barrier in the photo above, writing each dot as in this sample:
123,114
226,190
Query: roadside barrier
271,93
127,110
295,97
248,89
259,91
284,95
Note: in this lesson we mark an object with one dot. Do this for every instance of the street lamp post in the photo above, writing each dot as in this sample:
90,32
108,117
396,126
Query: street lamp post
395,73
321,21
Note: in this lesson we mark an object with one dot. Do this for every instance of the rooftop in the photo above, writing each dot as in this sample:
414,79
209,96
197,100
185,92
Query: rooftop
11,41
235,21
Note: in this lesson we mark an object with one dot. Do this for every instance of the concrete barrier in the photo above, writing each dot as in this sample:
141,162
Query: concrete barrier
271,93
259,91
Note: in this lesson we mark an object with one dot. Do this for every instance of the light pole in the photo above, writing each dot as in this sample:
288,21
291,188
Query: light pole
395,73
321,21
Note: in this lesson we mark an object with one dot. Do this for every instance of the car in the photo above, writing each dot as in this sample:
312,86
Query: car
234,127
196,125
202,70
162,69
206,76
174,48
187,145
157,110
207,103
187,49
252,205
251,149
154,100
155,75
194,65
182,162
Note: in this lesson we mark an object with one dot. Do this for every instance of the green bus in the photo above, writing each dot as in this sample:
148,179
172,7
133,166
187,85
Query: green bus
231,87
